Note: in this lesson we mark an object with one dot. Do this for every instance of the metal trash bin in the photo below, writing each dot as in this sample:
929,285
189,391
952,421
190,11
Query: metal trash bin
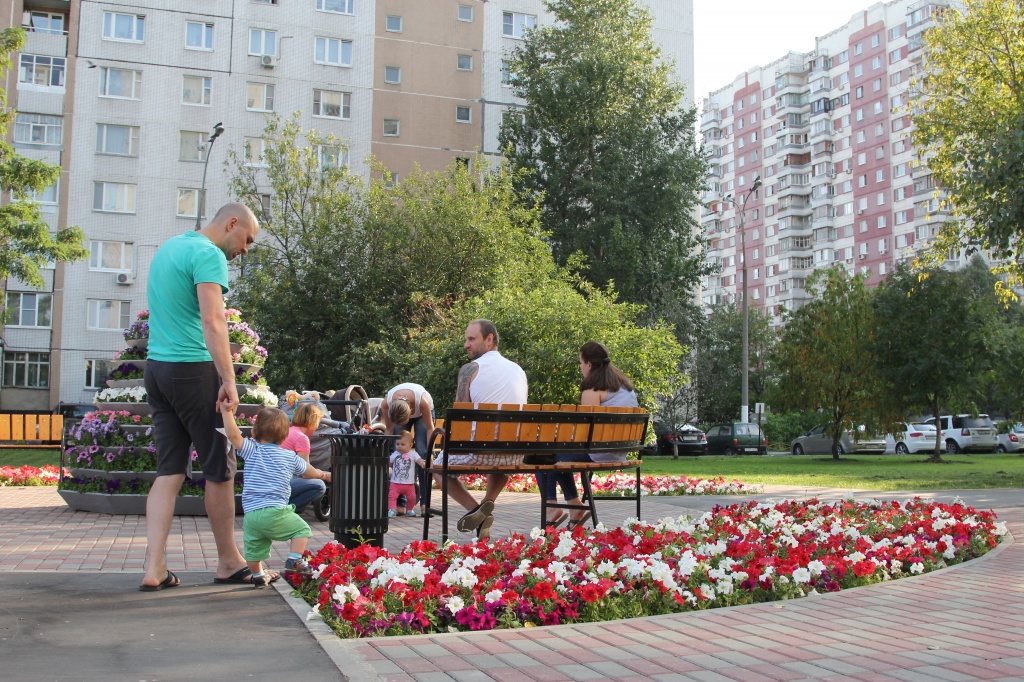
359,488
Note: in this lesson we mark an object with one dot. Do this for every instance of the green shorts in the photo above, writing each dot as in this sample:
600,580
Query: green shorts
262,526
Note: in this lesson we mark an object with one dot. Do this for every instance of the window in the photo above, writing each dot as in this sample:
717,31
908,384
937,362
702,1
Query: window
253,148
880,175
196,90
188,200
113,197
28,370
259,97
393,23
192,146
899,146
45,72
332,104
881,222
900,219
392,75
880,199
108,315
858,71
876,63
97,371
506,74
339,6
857,49
883,245
515,25
198,36
463,114
391,127
465,13
266,203
47,197
861,137
117,140
126,27
43,22
862,181
878,107
25,309
899,170
880,152
859,92
465,62
266,2
860,115
899,194
874,40
862,204
862,159
330,156
38,129
122,83
110,256
895,32
333,51
262,42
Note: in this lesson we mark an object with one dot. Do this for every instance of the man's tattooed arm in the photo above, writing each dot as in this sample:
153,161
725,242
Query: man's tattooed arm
466,375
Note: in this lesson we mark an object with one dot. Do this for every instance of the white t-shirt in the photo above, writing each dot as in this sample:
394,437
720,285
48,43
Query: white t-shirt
404,470
419,393
498,380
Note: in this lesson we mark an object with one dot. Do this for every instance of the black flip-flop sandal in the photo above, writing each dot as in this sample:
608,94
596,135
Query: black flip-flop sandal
170,581
243,576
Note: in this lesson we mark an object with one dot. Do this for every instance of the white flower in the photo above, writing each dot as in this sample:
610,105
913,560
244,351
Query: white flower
493,596
950,552
801,575
687,563
917,567
536,533
455,604
1000,529
816,567
345,593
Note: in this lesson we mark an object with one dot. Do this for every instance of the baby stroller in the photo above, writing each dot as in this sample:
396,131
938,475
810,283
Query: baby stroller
348,415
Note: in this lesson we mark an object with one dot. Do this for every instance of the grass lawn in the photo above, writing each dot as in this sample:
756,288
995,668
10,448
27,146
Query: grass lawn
870,472
30,457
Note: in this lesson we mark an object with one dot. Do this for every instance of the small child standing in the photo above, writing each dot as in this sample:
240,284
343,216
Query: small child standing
403,474
267,485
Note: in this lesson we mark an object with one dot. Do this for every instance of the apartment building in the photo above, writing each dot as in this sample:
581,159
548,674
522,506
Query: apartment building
828,134
125,96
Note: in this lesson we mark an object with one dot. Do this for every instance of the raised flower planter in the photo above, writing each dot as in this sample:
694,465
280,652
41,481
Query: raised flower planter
100,503
131,408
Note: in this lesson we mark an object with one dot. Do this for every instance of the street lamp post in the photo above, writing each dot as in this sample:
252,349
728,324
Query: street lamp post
218,128
745,378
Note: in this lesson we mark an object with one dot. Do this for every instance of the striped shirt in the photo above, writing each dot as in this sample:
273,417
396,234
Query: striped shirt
267,478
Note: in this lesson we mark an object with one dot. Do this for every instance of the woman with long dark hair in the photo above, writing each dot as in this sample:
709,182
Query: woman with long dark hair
603,384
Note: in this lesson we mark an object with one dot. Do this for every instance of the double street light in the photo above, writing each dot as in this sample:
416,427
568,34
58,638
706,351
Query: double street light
218,129
745,379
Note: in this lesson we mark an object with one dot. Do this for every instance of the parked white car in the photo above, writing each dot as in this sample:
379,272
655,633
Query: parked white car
1012,441
964,433
911,439
817,442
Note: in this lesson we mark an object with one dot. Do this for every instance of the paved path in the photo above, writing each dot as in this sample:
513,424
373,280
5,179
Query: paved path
88,622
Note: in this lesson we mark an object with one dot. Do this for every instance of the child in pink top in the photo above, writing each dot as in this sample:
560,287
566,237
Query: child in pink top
403,474
305,419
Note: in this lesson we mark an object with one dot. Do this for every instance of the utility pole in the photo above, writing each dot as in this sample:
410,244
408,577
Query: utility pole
745,379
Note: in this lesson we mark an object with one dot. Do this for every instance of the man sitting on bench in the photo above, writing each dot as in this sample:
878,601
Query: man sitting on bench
487,378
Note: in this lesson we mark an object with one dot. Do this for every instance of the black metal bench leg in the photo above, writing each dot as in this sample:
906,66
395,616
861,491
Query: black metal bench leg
543,499
444,509
425,495
638,493
589,493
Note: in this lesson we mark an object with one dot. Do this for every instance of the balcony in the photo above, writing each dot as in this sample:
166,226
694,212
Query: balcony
47,44
711,118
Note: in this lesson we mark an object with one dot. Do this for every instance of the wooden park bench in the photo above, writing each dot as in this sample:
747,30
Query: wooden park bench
15,429
535,430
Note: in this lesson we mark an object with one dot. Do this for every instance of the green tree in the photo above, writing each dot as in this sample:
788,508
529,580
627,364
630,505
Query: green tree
932,339
718,362
26,244
343,262
610,153
541,328
826,358
968,112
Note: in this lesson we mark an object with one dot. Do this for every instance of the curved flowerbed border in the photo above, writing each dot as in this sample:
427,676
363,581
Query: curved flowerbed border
625,484
740,554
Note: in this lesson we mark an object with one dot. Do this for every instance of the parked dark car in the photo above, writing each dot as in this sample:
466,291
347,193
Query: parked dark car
690,440
74,412
736,438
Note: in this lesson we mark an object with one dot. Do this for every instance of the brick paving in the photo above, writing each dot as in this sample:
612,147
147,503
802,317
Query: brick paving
961,623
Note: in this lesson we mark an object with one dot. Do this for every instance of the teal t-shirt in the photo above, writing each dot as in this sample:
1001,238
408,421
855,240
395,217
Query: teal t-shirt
175,326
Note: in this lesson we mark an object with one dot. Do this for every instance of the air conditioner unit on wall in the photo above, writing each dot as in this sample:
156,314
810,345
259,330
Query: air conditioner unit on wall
863,256
267,61
125,278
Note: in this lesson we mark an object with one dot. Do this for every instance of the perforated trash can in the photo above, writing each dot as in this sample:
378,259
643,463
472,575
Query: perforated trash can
359,488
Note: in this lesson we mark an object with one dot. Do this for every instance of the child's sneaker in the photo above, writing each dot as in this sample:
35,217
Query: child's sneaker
260,581
410,513
392,514
297,566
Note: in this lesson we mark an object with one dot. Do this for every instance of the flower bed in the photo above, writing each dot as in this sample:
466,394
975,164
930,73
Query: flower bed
134,486
625,484
735,555
26,475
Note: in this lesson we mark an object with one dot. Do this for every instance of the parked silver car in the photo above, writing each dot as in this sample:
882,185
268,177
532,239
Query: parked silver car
817,442
1012,441
912,438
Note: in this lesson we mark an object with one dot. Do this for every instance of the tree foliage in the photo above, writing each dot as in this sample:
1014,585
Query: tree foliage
343,262
933,338
826,357
26,244
969,117
610,153
542,328
718,361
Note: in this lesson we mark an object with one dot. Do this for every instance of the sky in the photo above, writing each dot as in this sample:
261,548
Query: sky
730,36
